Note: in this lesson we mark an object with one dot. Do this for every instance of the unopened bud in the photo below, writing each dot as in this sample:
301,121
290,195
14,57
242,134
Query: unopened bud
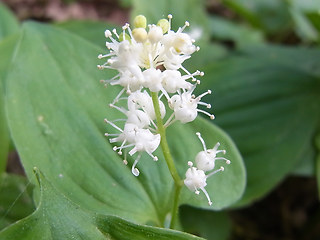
140,34
164,24
140,21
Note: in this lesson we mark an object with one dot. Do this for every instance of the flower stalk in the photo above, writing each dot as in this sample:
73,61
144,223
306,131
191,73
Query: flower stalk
178,183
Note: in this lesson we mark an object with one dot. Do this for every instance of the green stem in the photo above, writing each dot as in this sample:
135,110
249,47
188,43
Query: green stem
178,183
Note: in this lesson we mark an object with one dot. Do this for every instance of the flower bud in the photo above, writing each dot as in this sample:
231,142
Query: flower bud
140,21
164,24
140,34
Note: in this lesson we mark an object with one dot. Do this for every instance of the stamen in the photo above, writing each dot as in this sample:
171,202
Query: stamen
169,18
118,108
113,125
155,158
117,98
223,151
222,158
115,32
168,122
203,94
216,147
221,169
100,56
121,147
202,141
107,33
130,33
135,171
205,104
186,24
207,195
111,134
206,113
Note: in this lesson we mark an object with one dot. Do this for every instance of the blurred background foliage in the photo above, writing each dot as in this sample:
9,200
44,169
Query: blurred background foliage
261,58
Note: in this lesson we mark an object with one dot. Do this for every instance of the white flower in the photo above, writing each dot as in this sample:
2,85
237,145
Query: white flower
142,100
185,106
155,34
197,179
205,159
153,79
141,140
172,81
145,141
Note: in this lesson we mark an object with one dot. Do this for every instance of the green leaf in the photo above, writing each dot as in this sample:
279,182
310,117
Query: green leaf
187,10
93,31
59,218
223,29
207,224
6,49
63,106
8,23
272,16
15,201
267,99
58,95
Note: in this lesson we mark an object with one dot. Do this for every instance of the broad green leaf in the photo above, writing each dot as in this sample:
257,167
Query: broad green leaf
272,16
59,218
301,59
241,35
208,53
93,31
63,105
207,224
268,101
15,200
6,49
187,10
8,25
8,22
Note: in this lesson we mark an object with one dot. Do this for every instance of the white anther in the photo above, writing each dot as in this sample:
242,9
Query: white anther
107,33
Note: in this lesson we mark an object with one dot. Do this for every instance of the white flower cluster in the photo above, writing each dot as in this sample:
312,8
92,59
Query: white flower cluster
205,160
149,59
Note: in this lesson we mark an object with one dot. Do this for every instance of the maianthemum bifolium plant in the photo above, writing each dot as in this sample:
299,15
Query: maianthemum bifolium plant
76,186
149,62
54,111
